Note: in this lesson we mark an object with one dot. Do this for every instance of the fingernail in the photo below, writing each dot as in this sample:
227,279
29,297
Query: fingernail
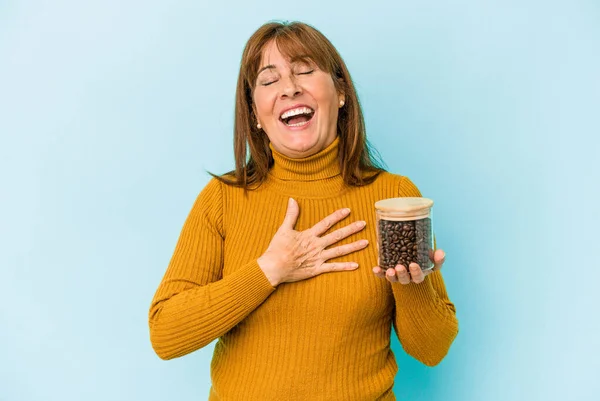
290,201
346,211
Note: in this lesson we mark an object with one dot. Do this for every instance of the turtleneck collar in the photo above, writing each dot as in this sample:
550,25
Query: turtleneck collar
321,165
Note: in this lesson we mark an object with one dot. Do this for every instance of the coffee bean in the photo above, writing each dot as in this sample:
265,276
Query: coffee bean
404,242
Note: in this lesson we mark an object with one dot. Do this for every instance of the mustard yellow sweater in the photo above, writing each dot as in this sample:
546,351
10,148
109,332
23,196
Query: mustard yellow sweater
324,338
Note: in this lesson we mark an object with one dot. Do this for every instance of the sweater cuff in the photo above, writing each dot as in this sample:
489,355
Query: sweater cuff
251,284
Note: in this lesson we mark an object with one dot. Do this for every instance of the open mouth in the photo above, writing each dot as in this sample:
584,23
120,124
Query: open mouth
297,117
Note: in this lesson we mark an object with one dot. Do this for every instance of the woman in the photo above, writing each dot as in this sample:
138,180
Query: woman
266,265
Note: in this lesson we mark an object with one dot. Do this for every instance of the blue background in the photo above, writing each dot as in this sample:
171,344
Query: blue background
111,111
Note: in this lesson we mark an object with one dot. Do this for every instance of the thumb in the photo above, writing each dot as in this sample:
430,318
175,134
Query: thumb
291,215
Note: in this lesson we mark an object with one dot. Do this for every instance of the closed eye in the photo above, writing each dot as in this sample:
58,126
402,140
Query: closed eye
300,73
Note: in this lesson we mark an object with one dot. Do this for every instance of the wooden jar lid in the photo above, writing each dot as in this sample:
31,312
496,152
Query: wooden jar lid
415,207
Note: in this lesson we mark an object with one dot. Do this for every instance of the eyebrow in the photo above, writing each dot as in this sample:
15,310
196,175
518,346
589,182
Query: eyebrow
267,67
297,59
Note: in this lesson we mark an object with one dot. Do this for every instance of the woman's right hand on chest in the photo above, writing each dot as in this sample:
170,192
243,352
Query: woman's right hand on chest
297,255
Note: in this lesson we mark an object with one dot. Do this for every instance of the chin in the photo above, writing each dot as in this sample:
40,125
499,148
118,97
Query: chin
302,143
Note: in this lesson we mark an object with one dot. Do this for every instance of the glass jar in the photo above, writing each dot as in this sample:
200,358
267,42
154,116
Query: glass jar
404,232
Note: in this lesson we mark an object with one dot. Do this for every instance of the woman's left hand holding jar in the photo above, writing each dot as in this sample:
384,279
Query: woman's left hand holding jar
399,274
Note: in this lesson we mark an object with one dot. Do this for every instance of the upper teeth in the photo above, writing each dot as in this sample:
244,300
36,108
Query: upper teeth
295,112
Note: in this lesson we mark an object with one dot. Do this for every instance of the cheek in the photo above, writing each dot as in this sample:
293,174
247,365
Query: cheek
264,105
326,95
328,106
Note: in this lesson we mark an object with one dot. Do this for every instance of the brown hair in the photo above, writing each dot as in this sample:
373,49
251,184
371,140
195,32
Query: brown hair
293,40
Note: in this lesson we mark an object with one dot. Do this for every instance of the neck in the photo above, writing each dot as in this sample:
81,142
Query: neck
317,176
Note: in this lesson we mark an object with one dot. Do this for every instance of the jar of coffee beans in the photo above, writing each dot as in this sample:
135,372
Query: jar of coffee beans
404,232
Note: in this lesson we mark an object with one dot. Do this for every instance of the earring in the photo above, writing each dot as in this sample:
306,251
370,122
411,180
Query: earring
258,126
341,103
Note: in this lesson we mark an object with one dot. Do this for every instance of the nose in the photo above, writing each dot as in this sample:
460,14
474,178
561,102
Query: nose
290,87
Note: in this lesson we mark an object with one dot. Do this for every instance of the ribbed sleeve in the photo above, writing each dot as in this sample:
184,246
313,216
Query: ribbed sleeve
193,304
425,320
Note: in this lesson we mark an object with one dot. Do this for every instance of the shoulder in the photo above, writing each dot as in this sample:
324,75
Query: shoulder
209,201
212,191
208,207
400,184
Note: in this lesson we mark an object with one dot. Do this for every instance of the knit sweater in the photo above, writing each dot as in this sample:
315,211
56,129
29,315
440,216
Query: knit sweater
323,338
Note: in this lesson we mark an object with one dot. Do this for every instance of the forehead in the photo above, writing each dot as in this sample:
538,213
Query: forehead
273,55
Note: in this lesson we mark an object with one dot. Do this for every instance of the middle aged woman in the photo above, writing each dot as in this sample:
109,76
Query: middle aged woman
264,262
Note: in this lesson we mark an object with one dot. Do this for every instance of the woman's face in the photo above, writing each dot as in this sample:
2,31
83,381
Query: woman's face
296,104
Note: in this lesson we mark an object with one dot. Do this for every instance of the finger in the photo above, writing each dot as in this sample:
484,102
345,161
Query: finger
403,276
390,275
343,232
337,266
344,249
438,259
329,221
379,272
291,215
416,273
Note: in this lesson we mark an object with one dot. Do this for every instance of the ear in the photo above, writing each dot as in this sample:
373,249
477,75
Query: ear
340,84
255,114
340,92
